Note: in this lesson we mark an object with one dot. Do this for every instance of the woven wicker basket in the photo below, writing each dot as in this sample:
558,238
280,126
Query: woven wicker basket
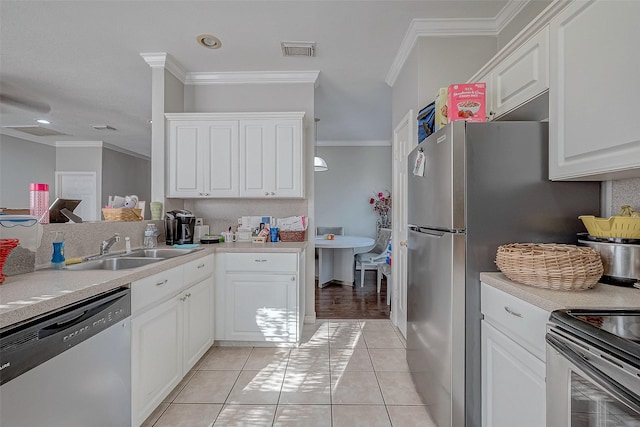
551,266
291,236
122,214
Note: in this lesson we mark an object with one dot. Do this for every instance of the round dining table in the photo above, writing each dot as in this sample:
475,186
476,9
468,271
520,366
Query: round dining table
336,262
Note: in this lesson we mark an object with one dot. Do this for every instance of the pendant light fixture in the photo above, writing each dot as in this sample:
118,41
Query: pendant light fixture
319,165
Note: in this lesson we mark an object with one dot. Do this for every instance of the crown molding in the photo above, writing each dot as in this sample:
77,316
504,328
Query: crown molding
508,12
235,116
451,27
354,143
527,32
251,77
79,144
164,60
125,151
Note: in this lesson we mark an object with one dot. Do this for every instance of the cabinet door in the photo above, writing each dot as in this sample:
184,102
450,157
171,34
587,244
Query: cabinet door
198,321
221,169
594,131
522,76
513,383
257,158
156,357
289,181
187,140
261,307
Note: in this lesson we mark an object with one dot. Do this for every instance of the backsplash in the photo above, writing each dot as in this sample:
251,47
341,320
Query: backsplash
82,240
220,214
625,192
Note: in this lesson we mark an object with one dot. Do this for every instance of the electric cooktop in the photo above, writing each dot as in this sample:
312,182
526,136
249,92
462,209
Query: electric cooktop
616,330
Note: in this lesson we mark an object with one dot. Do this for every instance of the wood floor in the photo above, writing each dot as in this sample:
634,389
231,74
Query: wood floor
336,301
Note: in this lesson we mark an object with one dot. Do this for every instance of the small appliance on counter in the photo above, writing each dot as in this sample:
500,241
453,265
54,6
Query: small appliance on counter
620,258
185,223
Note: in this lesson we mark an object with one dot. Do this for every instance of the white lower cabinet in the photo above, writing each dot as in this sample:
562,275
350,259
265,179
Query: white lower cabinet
261,307
156,357
170,332
198,322
513,362
513,382
260,297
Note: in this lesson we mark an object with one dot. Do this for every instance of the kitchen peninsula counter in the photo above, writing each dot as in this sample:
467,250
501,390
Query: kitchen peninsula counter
29,295
600,296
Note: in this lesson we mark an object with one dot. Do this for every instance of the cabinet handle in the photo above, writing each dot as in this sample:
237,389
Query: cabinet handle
183,298
188,295
403,244
273,194
260,260
511,312
266,193
200,266
293,279
162,283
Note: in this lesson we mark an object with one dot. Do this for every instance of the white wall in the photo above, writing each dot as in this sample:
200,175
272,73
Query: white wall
343,192
437,62
526,15
21,163
124,175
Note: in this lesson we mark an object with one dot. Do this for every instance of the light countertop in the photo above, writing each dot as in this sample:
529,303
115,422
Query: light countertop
28,295
600,296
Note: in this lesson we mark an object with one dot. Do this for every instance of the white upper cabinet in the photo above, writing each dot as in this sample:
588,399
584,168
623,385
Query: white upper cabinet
521,77
235,155
271,153
595,65
203,158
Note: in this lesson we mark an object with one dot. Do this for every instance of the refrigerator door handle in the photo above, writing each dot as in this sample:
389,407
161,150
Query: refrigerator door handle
427,231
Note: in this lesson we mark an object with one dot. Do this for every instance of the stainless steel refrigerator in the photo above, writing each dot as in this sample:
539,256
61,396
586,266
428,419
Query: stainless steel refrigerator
483,185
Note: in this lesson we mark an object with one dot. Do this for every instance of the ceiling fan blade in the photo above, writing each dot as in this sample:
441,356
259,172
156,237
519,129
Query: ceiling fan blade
24,103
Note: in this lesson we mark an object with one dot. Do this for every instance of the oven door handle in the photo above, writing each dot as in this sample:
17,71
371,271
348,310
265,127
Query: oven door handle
619,392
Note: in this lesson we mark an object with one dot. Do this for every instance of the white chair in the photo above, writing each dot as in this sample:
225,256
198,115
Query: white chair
377,255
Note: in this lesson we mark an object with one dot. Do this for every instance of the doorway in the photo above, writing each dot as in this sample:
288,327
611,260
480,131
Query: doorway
337,301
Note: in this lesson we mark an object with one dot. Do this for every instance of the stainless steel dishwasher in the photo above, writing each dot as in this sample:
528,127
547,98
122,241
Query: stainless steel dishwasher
70,367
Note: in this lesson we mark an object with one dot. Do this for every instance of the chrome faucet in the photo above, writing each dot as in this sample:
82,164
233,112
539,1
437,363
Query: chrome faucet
106,244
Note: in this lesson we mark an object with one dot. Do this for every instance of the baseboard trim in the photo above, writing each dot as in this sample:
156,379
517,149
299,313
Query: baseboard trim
310,319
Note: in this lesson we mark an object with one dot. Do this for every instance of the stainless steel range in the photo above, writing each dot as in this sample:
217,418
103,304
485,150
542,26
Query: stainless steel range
593,368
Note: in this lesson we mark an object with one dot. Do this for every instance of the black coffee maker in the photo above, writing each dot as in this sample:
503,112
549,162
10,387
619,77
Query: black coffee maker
180,225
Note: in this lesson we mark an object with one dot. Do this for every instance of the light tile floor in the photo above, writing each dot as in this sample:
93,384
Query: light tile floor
345,373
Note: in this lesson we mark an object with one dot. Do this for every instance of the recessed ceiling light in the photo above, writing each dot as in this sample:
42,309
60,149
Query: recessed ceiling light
43,121
209,41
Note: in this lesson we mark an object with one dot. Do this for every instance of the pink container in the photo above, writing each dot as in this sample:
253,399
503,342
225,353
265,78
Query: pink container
39,202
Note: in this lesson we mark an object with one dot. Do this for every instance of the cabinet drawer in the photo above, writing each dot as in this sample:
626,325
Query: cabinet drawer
198,269
523,322
262,262
153,289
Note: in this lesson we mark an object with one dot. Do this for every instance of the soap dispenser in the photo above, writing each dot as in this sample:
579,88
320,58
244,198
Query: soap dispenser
57,258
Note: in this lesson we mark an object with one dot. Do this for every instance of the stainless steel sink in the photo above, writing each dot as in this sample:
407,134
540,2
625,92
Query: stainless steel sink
119,263
160,253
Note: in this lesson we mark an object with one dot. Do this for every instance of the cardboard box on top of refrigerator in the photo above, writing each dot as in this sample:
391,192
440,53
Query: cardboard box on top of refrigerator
467,101
442,117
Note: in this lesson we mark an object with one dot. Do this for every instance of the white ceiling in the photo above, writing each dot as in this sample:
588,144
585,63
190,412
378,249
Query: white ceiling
82,58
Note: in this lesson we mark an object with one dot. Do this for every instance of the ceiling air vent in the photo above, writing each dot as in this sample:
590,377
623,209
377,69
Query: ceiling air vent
35,130
103,127
298,48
